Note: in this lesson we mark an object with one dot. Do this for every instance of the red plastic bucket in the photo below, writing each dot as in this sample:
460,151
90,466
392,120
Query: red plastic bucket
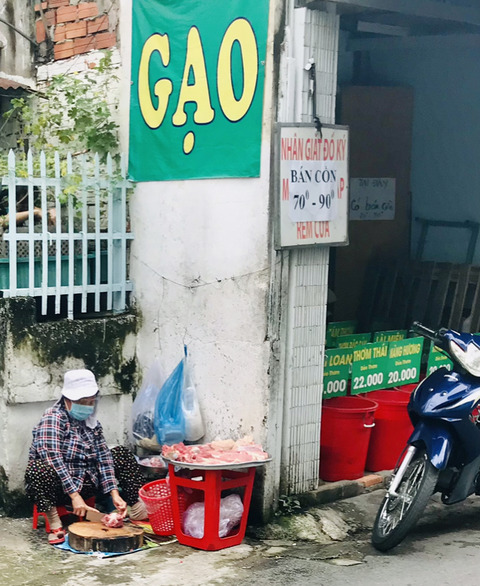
408,388
345,433
392,429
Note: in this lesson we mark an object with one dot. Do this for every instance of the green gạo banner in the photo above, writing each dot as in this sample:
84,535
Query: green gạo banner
198,69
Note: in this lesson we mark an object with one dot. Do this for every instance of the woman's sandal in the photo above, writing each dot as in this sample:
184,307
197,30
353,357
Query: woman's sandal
56,536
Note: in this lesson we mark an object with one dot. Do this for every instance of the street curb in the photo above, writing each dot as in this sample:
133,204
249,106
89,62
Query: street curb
342,489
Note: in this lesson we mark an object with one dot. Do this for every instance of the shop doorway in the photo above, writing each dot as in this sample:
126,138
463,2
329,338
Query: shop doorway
380,121
408,82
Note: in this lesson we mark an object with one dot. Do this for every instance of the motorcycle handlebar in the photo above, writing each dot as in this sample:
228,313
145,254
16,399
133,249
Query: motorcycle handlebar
435,336
421,329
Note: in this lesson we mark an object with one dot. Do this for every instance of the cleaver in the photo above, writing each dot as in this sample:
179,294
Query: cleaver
90,515
94,515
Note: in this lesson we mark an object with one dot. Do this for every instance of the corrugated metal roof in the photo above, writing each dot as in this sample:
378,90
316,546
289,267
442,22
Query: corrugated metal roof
9,84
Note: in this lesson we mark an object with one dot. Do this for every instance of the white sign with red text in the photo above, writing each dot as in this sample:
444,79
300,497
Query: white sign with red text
312,196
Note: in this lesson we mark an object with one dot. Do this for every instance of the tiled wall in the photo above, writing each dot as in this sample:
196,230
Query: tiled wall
321,44
315,36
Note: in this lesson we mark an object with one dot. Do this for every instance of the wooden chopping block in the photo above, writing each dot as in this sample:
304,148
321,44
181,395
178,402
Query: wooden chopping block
91,536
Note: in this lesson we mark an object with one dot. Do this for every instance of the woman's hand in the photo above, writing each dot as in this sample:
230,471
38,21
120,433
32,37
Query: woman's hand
119,503
79,506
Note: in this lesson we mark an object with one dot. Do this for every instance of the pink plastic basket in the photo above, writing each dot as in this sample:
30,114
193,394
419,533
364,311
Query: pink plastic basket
158,501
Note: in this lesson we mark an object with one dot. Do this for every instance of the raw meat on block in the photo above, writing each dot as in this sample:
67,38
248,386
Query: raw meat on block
113,520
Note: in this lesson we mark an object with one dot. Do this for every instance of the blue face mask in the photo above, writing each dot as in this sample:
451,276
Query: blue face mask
81,412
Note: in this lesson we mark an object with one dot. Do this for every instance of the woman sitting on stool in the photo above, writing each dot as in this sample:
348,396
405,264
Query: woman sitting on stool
69,461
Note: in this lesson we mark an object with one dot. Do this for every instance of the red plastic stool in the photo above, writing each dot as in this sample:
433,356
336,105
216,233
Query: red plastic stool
62,512
208,485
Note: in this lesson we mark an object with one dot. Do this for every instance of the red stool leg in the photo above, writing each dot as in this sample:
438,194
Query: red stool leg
36,514
62,512
35,517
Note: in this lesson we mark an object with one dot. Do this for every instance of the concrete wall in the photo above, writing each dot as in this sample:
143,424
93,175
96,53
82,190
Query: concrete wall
16,52
33,359
204,268
200,264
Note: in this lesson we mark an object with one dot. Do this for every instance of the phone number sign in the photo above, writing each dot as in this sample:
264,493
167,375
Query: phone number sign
312,193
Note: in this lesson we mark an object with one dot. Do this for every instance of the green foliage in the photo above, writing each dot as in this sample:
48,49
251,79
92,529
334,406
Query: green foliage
288,505
73,113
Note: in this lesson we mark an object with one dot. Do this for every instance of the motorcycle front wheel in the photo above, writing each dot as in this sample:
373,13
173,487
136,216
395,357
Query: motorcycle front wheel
398,514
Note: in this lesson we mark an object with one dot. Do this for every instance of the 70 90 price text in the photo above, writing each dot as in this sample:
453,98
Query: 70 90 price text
323,201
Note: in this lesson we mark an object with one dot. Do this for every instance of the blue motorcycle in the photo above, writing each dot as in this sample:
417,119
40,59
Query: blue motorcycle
443,452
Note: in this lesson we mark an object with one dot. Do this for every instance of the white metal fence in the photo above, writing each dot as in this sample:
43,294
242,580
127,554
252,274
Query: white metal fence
68,244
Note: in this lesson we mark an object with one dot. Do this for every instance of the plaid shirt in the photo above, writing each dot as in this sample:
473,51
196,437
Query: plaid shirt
73,450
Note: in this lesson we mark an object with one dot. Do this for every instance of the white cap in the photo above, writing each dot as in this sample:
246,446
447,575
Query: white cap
79,384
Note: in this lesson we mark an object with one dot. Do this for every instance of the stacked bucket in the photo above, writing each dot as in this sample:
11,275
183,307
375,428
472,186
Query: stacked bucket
366,432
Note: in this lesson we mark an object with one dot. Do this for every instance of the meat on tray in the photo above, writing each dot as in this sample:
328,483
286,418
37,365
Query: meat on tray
152,462
217,452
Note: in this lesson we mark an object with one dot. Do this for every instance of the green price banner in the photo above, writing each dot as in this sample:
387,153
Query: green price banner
437,359
336,372
404,361
369,367
339,328
390,336
353,340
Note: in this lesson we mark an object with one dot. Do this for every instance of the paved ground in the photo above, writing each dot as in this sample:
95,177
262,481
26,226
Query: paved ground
327,546
27,559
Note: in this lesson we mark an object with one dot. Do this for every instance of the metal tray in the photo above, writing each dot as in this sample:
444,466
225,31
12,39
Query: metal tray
225,466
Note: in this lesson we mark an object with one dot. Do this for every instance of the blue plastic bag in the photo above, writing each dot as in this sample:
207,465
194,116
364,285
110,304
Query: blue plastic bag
169,421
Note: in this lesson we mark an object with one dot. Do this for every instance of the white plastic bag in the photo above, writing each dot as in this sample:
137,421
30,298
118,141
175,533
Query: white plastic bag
194,426
231,511
143,408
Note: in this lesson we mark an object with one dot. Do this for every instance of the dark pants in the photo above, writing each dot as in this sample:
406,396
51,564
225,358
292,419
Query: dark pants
43,486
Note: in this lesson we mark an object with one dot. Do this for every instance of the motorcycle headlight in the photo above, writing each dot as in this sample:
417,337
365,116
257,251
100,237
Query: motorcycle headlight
469,359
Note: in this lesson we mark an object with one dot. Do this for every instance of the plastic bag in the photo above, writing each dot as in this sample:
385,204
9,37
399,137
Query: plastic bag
194,427
231,511
143,408
169,422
